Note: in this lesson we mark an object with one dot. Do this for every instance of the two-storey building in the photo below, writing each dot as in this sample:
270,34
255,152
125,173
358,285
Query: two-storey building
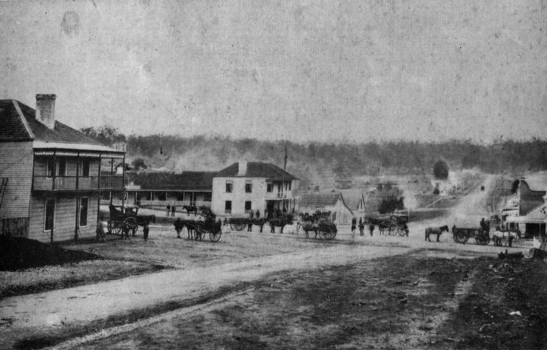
52,174
250,186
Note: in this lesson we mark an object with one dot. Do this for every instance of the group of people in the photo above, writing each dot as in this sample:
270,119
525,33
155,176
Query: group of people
171,209
361,226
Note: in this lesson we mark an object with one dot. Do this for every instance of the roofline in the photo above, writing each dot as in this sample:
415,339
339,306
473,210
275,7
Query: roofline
23,119
74,146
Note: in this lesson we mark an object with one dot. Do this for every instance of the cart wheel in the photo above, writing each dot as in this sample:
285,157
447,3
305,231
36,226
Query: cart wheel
401,231
482,239
215,237
239,227
460,237
329,235
115,229
393,230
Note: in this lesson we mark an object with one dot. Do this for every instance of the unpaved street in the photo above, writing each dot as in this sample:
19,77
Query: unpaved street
40,313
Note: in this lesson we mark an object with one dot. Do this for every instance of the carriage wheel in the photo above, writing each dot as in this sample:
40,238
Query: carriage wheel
329,235
462,237
240,226
482,239
401,231
115,228
215,236
393,230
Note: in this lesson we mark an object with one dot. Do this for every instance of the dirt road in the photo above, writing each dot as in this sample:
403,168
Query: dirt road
35,314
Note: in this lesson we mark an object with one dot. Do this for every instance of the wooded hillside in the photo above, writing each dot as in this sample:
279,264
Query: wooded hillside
313,160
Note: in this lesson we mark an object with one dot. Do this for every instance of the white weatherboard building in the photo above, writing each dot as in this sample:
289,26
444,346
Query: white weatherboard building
51,175
250,186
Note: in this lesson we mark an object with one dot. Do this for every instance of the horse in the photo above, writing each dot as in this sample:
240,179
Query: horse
190,209
281,222
308,226
507,236
258,222
435,231
191,227
143,220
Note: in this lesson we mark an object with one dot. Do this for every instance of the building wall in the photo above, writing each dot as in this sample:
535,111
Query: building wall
65,218
16,165
238,195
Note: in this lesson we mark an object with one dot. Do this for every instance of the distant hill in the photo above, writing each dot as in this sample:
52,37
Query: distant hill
322,163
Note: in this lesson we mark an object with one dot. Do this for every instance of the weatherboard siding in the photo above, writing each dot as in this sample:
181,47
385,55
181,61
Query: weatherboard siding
16,165
65,219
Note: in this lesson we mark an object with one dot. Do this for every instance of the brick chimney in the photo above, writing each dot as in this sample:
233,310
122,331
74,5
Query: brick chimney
45,109
242,168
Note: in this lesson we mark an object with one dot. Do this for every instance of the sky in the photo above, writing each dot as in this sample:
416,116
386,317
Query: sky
324,70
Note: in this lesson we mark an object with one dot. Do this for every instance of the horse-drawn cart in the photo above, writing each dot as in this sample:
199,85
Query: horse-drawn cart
463,234
122,218
399,225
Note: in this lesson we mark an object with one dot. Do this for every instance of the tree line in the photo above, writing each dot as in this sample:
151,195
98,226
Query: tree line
372,158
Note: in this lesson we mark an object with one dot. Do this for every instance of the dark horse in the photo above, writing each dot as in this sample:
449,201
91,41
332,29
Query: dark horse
435,231
143,220
190,209
281,222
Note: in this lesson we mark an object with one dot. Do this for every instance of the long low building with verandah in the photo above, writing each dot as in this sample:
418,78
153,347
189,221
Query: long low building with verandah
162,189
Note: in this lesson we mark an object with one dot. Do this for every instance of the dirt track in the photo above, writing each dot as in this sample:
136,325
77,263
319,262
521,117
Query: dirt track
40,313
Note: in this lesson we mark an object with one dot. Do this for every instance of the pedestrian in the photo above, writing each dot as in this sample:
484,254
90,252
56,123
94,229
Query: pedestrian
225,222
371,228
257,214
145,231
250,227
173,210
360,221
353,229
101,235
168,210
361,228
251,214
178,227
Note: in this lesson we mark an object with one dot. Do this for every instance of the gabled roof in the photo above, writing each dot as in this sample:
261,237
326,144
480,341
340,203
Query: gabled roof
185,181
529,199
18,123
318,200
257,169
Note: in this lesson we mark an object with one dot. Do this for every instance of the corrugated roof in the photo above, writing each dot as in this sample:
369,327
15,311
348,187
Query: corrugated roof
185,181
257,169
14,115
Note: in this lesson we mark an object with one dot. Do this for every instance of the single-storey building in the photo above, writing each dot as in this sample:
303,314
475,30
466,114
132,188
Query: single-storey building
524,209
341,214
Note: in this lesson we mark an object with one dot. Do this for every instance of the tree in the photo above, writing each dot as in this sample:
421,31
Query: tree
390,204
139,164
106,135
440,170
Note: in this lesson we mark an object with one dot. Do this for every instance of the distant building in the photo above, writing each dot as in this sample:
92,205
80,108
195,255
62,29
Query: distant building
333,202
52,175
246,186
161,189
525,209
343,181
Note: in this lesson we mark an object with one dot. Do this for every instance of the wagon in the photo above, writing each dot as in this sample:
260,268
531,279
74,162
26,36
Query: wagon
238,224
463,234
399,225
122,217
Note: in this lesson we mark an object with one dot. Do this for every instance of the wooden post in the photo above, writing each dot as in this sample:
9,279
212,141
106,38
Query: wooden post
77,197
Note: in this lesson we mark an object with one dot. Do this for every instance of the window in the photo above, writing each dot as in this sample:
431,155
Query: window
161,196
269,187
248,186
248,206
50,167
62,167
228,207
85,167
84,205
207,197
289,184
50,215
229,186
180,196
